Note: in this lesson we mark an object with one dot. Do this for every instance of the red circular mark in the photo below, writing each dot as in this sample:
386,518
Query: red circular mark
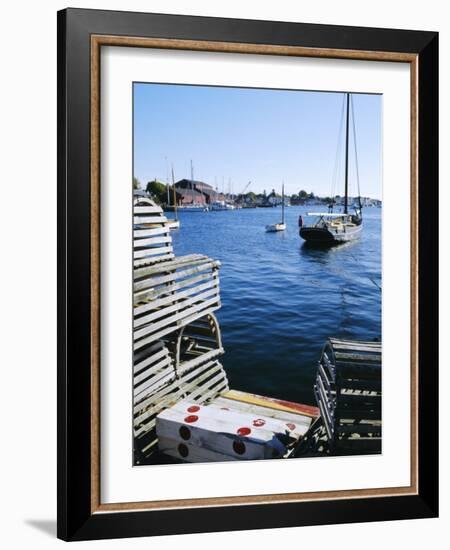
185,433
258,422
244,431
191,418
291,426
193,409
183,450
239,447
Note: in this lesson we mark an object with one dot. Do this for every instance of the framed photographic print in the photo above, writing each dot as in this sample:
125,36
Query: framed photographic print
247,274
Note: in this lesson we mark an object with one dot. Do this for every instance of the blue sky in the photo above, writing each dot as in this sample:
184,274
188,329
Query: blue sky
264,136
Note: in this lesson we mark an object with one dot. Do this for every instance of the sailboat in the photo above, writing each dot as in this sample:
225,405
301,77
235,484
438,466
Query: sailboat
278,226
331,228
174,223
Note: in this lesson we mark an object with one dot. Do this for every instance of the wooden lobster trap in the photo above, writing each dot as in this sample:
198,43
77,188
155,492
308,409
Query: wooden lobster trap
348,393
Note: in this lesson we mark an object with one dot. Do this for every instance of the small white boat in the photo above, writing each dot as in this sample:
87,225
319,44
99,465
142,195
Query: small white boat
275,227
272,227
221,205
193,208
173,224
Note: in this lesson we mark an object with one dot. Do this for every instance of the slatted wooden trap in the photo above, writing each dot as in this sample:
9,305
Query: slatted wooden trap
177,341
348,392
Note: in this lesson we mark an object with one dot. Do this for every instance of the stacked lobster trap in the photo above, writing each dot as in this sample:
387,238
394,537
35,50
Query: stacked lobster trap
176,337
348,393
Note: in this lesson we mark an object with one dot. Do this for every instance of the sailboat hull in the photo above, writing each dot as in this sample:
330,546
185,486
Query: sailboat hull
330,236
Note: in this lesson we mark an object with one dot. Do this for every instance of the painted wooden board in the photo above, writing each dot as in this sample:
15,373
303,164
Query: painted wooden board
279,404
299,424
227,432
185,452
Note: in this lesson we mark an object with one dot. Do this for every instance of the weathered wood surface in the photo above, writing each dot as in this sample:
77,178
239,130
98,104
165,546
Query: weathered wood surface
348,393
276,404
177,343
229,432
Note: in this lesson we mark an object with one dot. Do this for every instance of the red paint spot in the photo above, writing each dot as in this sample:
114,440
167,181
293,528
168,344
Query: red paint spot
239,447
183,450
258,422
191,418
291,426
193,409
185,433
244,431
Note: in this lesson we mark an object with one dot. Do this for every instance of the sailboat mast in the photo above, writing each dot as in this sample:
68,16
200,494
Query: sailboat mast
282,203
174,196
192,182
346,156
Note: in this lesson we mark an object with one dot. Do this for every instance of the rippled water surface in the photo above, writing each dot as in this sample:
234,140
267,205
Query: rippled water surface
281,299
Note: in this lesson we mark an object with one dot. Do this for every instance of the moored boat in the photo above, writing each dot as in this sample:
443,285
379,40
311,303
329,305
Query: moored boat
332,228
281,226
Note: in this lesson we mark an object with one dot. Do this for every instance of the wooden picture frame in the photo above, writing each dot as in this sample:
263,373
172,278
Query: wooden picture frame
81,35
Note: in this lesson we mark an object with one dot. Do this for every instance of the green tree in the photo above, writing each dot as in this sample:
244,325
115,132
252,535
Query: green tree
136,183
157,191
303,194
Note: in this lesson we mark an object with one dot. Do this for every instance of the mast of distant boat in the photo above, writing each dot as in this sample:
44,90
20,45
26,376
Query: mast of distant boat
192,182
282,203
346,156
175,207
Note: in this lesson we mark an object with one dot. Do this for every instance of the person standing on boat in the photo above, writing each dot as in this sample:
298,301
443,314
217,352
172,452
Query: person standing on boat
300,221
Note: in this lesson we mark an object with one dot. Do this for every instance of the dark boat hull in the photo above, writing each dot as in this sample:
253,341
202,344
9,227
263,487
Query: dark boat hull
329,236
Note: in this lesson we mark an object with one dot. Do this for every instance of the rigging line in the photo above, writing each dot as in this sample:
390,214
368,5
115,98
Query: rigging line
337,160
356,151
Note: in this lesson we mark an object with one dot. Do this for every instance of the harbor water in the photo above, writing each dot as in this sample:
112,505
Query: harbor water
281,299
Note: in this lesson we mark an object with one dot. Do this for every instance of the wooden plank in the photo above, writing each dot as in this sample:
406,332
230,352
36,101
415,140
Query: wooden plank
149,360
175,322
187,382
144,377
184,273
171,328
141,243
298,424
152,260
354,384
175,296
324,414
358,357
283,416
137,220
152,251
151,385
175,317
145,298
186,366
170,447
178,306
151,371
149,232
280,404
361,428
138,209
179,262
